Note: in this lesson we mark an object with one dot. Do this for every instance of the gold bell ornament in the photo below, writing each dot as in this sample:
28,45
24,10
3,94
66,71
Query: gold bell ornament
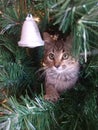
30,35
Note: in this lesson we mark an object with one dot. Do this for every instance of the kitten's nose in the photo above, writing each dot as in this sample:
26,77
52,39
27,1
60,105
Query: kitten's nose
57,66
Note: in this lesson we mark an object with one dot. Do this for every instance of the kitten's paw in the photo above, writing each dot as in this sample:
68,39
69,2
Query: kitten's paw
52,98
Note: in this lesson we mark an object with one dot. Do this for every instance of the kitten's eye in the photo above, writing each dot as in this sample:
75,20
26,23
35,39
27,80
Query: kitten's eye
65,56
51,56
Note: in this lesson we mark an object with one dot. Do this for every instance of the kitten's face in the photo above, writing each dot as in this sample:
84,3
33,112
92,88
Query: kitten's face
58,54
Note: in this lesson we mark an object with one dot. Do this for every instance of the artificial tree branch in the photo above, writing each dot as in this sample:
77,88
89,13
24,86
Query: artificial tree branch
90,53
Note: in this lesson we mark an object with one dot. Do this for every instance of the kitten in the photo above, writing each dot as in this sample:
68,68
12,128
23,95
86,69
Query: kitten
61,68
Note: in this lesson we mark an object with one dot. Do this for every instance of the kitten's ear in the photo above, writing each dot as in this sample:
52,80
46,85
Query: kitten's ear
47,38
69,39
68,42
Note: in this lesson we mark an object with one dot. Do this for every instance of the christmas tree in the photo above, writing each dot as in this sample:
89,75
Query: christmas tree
22,106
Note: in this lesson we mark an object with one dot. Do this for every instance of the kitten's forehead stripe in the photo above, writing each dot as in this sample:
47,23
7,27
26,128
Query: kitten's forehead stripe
58,45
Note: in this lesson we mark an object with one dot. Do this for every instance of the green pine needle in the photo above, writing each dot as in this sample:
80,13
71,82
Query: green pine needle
27,114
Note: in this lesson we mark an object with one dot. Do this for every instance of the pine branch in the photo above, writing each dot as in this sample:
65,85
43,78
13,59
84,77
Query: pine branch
90,53
28,114
80,17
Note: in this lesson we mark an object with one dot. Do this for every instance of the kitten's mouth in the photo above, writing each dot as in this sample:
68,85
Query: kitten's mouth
59,69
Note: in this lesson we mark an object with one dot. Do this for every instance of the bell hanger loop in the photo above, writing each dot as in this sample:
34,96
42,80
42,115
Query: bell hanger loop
29,15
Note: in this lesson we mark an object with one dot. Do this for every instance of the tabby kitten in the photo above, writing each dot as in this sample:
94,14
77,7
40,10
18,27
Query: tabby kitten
61,68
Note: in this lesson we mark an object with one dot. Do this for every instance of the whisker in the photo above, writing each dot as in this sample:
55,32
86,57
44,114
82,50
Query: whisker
42,74
41,69
46,68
